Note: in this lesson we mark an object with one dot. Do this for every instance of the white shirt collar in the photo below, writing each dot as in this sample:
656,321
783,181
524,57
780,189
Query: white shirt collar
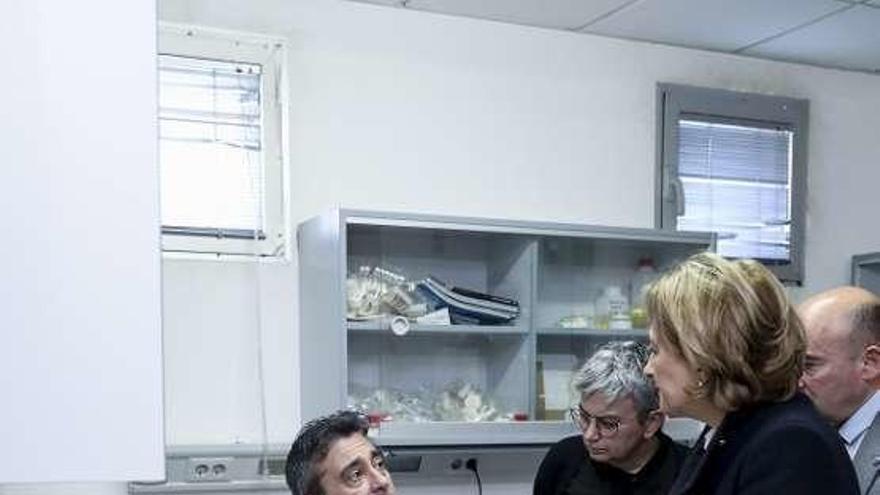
861,420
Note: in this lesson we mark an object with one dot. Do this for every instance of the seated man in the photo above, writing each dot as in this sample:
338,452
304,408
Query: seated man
332,456
621,449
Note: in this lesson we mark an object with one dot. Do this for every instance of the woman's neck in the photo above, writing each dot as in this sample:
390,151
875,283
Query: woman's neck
708,413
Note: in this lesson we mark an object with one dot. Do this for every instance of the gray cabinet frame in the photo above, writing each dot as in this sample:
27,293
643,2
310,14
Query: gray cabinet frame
323,257
866,271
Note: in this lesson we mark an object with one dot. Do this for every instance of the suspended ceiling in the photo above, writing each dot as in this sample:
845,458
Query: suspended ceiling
843,34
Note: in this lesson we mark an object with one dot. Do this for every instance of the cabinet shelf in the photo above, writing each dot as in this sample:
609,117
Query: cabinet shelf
459,384
418,328
380,327
635,333
393,434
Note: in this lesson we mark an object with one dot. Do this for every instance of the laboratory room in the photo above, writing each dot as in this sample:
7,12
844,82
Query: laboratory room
440,247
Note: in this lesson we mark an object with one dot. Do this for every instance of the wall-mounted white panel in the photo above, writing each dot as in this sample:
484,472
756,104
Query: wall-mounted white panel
711,24
847,40
80,348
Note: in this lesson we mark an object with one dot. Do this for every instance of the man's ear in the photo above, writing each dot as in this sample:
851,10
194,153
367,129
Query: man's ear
871,365
655,422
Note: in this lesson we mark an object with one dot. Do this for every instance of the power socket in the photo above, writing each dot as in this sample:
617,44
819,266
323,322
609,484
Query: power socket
208,469
461,465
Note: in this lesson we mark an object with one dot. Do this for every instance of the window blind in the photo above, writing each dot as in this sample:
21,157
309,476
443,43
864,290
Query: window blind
210,147
737,182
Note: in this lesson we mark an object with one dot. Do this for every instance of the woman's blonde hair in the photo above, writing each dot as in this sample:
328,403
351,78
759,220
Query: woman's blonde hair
733,324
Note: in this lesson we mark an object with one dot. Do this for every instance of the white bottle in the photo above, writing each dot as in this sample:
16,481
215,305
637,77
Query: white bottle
612,309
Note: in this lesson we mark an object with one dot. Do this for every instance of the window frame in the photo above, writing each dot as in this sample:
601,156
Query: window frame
725,106
270,53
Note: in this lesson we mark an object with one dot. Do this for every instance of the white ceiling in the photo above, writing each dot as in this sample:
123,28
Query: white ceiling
842,34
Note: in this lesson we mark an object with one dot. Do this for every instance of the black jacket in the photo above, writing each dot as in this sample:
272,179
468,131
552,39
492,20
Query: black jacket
567,469
782,448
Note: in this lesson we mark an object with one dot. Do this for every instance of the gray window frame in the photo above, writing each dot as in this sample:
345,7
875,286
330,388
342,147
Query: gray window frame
720,105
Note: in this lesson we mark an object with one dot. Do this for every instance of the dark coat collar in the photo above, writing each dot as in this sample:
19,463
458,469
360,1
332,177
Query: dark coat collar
728,433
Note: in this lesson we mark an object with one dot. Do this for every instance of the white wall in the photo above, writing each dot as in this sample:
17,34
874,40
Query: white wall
410,111
80,355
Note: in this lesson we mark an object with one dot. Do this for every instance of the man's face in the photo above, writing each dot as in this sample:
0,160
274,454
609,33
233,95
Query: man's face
354,466
618,446
832,375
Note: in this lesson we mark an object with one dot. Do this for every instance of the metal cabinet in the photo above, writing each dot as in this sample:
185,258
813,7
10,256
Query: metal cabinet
866,271
474,382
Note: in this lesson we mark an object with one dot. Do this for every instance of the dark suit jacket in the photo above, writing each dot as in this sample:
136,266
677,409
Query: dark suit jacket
781,448
567,469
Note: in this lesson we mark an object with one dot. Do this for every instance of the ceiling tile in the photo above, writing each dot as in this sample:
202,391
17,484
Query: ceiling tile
711,24
849,40
387,3
560,14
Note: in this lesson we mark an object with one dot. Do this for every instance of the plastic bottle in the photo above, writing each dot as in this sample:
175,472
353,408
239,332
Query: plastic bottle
645,273
612,309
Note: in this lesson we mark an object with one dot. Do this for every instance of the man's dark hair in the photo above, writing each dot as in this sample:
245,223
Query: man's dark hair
312,445
866,322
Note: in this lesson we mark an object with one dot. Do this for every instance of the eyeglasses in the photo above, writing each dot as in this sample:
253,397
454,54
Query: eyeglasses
605,425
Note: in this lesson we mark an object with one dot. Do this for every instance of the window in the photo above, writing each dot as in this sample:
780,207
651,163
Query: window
735,163
220,135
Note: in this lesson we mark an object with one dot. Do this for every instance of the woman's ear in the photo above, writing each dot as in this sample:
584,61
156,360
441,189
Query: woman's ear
702,378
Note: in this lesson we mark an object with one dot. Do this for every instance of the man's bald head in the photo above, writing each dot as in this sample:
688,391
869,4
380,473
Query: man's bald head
850,312
842,367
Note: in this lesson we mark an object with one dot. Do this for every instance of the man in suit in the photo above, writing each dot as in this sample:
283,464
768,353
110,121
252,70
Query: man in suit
842,372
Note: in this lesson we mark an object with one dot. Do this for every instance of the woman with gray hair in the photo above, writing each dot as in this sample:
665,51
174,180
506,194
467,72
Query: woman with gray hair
621,449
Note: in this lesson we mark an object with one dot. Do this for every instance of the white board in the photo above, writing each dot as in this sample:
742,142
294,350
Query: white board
81,344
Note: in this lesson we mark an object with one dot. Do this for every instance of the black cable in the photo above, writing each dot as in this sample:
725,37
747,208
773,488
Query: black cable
471,464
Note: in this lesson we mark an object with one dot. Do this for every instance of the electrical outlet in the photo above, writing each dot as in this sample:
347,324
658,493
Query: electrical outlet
208,469
454,465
